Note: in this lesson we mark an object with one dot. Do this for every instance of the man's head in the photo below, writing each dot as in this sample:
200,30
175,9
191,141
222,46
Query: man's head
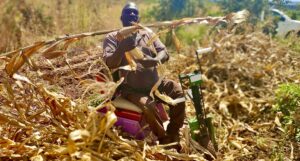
130,13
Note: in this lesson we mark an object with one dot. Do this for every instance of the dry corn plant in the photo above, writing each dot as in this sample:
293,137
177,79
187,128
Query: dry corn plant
240,76
38,123
45,125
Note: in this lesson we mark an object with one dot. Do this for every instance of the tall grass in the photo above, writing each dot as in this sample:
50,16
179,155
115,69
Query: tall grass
24,22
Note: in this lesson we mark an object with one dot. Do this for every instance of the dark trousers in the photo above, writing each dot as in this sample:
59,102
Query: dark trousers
142,99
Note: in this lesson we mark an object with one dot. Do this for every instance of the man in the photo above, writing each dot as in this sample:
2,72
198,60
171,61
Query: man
137,84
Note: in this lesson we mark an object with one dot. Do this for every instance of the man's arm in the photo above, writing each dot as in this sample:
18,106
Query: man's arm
110,55
113,52
162,53
161,57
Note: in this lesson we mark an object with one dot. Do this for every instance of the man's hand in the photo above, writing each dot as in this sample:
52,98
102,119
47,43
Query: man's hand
148,62
127,44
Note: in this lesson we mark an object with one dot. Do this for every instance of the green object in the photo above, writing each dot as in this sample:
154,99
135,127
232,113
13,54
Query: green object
211,131
201,127
194,78
194,83
194,126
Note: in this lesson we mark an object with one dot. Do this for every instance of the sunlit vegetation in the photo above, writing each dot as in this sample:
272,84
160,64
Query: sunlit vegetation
49,101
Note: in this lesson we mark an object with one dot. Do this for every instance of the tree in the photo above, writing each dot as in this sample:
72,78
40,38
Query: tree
256,7
280,2
176,9
170,9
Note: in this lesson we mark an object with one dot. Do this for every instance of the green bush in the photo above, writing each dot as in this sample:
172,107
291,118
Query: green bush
177,9
170,9
288,102
256,7
189,34
292,41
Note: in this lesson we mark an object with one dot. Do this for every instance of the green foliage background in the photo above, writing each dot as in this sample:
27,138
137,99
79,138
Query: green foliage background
288,102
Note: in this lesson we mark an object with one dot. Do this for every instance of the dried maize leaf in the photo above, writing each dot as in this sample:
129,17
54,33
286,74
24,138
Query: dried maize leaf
263,144
83,156
15,63
11,121
125,32
111,119
51,48
54,54
31,63
152,39
6,142
68,42
180,156
143,27
22,78
69,66
130,142
3,118
168,99
153,36
56,150
37,158
79,135
57,103
235,144
18,60
136,53
176,41
124,146
277,121
126,67
4,58
138,156
105,124
9,90
204,50
223,107
131,61
269,67
155,87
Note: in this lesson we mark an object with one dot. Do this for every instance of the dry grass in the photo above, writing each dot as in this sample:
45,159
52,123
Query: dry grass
45,112
240,76
63,127
25,22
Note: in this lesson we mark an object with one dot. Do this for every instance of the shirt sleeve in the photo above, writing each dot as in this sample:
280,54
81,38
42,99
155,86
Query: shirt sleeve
159,46
109,48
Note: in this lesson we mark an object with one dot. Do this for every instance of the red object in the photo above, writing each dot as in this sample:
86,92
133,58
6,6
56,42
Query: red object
125,114
99,78
128,114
